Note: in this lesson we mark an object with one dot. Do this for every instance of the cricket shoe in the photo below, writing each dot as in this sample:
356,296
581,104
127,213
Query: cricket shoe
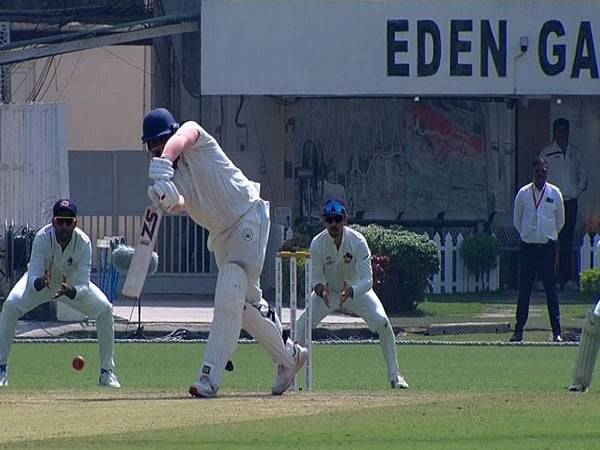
3,378
398,382
285,375
203,388
109,379
577,387
516,337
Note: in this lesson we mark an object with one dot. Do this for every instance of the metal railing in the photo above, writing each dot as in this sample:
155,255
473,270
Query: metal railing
181,243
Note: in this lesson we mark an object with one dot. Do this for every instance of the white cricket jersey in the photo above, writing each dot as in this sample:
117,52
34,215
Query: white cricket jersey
539,215
351,262
565,169
216,192
75,262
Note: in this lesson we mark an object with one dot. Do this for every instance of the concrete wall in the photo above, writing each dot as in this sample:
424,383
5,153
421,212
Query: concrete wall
33,162
106,90
385,156
584,117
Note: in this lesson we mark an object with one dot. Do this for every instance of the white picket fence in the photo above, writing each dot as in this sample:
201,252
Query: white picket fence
589,252
453,276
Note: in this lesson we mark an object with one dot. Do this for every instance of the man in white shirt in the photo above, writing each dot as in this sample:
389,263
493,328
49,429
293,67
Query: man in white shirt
538,217
59,268
191,172
343,281
567,172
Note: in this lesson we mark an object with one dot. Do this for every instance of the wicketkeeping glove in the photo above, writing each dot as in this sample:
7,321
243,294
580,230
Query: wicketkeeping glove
165,192
161,169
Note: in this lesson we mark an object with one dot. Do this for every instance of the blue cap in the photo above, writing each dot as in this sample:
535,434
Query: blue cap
64,208
334,206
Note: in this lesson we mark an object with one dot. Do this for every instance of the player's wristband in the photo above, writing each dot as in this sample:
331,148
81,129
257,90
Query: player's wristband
71,292
39,284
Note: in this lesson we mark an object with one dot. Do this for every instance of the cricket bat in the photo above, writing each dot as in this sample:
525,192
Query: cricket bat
138,270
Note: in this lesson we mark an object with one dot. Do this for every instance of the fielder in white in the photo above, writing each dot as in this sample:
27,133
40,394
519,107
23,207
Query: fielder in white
343,281
588,351
59,268
192,173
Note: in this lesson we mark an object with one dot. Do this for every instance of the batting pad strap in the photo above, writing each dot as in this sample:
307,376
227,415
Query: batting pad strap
230,295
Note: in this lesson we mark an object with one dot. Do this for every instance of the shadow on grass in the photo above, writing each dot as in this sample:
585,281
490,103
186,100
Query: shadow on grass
182,397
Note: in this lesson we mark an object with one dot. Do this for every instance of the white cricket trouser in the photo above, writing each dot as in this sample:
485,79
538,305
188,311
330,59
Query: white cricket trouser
94,305
245,244
366,306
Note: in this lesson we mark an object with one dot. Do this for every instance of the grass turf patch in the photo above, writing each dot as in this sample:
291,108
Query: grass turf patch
460,397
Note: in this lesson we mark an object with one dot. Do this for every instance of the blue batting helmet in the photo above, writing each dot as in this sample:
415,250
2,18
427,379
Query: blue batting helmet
157,123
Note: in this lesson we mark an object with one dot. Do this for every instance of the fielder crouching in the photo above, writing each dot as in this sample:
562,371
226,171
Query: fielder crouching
343,281
191,172
59,268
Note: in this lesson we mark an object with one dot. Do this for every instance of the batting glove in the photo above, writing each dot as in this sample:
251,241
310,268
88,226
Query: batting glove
161,169
165,192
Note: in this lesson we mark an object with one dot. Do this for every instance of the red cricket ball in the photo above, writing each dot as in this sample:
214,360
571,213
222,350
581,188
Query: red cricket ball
78,362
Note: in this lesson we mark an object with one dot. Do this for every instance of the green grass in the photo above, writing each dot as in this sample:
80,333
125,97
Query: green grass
460,397
495,307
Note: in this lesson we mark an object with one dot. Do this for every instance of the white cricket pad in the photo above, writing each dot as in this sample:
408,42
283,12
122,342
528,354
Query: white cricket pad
588,352
262,323
230,295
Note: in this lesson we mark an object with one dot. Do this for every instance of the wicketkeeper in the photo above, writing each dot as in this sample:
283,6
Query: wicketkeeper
59,268
343,281
191,172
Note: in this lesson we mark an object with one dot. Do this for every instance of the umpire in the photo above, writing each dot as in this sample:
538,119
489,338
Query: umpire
538,217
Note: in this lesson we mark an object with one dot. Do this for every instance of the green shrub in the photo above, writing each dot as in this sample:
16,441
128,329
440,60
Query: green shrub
480,253
590,281
402,263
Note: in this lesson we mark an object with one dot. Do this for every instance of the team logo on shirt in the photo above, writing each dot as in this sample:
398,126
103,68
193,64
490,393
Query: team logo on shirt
348,257
248,234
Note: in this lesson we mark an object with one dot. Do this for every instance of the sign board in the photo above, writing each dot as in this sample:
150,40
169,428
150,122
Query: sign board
402,47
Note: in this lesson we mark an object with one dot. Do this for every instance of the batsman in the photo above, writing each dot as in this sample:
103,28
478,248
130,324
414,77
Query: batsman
59,269
192,173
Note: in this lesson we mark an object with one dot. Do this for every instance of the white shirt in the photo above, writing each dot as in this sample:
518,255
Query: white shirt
565,169
538,224
350,263
216,192
74,262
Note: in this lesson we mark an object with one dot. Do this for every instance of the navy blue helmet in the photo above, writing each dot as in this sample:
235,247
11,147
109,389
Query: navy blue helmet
158,123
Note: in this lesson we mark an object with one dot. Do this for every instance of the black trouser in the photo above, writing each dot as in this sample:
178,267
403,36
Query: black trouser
565,240
534,259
